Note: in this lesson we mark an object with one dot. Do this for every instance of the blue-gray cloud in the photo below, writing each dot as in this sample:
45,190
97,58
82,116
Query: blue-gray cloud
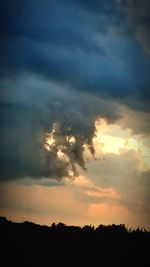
93,48
90,45
29,109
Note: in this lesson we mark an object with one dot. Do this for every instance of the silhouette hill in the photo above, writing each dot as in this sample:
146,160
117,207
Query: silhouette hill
30,244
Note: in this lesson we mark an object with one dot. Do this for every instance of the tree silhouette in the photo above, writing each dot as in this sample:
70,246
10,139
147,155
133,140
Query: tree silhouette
107,245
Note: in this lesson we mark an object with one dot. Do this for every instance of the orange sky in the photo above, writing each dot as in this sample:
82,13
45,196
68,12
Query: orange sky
110,191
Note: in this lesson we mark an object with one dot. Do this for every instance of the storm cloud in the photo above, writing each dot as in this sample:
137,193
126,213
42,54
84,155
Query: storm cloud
90,45
66,63
29,111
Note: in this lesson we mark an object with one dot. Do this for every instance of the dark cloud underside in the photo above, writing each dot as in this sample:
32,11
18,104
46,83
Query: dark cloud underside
97,49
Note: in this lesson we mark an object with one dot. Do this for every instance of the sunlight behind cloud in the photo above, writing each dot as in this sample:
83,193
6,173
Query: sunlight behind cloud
113,139
109,139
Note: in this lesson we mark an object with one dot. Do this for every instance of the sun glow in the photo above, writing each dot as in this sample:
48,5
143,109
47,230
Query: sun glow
112,138
109,139
54,142
61,145
55,136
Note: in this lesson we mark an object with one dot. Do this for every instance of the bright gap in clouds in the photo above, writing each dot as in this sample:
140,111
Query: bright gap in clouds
105,194
109,139
113,139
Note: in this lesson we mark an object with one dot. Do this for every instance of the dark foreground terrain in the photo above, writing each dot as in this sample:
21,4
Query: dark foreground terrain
29,244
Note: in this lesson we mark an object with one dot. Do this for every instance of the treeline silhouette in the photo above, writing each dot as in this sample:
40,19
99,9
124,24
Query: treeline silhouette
30,244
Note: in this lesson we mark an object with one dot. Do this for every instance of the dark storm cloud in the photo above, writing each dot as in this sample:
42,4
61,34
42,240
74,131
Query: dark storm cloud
138,13
90,45
29,109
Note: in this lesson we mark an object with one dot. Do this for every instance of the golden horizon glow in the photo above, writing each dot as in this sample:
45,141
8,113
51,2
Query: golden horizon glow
100,195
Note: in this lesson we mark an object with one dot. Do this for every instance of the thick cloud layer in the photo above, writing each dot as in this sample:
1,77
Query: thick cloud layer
92,45
30,109
85,56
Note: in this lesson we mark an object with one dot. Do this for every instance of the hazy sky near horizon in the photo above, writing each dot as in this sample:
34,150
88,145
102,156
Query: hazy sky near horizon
75,111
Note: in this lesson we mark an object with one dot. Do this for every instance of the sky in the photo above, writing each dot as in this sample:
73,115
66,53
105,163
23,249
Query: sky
75,111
